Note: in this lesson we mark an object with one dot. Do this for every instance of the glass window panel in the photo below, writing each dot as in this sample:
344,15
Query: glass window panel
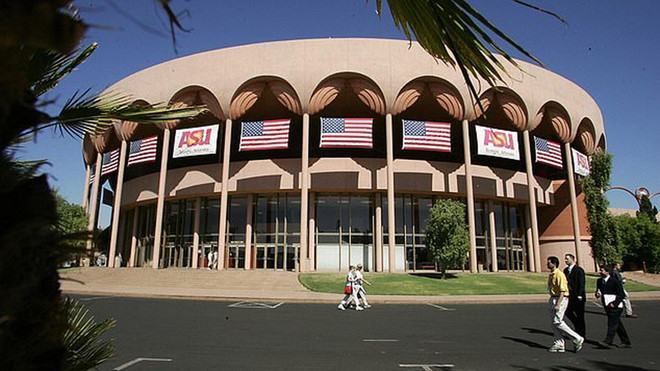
293,214
399,215
327,214
344,213
499,219
407,213
237,215
424,208
383,208
361,209
210,216
328,238
479,218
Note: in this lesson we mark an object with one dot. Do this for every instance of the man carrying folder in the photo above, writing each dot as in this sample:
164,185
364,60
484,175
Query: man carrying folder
610,292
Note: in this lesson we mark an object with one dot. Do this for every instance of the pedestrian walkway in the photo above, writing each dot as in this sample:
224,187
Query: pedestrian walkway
250,285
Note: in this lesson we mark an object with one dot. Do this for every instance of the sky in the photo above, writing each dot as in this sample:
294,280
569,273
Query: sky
607,47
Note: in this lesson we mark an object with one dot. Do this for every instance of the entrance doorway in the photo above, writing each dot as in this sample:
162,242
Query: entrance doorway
276,232
344,234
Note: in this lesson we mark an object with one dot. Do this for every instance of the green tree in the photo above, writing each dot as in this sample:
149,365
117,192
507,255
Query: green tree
71,218
603,232
647,209
447,234
638,239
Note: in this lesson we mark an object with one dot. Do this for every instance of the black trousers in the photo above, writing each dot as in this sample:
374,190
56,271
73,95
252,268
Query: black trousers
575,313
614,324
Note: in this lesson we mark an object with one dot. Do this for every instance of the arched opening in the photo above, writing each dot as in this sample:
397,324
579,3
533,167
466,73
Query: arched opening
547,139
347,119
267,116
584,140
426,126
500,117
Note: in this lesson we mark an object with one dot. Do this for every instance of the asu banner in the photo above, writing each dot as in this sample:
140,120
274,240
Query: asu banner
195,141
497,143
581,163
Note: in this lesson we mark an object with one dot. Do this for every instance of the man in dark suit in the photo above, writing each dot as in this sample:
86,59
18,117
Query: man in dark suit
610,292
577,296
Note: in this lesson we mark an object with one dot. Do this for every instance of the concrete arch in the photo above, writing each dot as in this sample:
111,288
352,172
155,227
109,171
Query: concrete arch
503,106
126,130
554,122
445,94
89,149
195,95
602,143
365,89
247,95
585,139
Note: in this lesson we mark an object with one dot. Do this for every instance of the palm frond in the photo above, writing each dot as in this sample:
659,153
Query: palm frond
82,340
86,113
52,67
457,34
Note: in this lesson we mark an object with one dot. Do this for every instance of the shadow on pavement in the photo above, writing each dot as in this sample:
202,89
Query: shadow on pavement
599,365
529,343
596,344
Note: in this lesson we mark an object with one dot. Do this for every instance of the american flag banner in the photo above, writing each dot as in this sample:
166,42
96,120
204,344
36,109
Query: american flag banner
92,173
110,162
427,136
548,152
143,150
263,135
346,132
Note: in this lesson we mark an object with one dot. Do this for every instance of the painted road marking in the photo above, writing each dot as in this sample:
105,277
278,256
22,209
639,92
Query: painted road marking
381,340
141,359
440,307
255,305
596,304
427,367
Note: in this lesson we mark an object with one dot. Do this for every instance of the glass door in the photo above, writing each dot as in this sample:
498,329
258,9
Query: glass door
276,231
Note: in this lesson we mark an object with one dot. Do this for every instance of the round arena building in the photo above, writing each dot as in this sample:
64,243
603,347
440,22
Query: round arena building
317,154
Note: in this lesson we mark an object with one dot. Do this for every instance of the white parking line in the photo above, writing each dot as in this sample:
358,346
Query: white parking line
381,340
137,360
426,367
255,305
440,307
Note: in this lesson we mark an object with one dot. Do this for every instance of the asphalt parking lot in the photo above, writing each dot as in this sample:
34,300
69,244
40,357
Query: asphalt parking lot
157,334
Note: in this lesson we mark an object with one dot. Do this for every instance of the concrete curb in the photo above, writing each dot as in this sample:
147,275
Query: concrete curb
326,298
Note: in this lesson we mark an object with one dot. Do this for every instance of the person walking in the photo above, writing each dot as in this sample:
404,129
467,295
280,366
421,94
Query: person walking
350,293
359,286
610,291
616,273
577,297
558,290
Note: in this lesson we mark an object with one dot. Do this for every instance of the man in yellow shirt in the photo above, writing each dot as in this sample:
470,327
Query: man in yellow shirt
558,290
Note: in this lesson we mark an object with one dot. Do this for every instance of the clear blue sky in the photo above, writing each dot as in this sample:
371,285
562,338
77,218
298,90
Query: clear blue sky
609,48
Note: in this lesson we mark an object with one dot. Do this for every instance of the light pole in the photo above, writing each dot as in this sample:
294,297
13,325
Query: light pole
638,194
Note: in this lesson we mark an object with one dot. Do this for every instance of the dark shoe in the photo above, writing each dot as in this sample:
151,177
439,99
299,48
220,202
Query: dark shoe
606,344
631,316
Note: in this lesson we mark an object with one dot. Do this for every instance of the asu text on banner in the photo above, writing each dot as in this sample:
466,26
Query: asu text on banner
497,143
581,163
197,141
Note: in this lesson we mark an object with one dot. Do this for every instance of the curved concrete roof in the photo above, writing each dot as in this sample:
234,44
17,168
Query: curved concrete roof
390,64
